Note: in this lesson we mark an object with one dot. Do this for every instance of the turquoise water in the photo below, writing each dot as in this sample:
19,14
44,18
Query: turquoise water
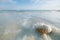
21,25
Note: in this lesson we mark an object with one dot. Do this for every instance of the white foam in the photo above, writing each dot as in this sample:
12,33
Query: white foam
46,37
56,30
29,37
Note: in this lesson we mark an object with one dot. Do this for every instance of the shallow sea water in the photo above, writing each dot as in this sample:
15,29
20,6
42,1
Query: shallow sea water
21,25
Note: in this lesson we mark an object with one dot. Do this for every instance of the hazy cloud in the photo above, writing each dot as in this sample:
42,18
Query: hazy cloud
30,4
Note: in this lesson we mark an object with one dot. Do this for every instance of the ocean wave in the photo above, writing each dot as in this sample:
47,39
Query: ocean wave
25,29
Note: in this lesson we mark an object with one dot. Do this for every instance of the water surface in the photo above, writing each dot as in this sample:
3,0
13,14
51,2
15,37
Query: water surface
20,25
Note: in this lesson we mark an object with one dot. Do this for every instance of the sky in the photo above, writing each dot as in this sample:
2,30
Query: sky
29,4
